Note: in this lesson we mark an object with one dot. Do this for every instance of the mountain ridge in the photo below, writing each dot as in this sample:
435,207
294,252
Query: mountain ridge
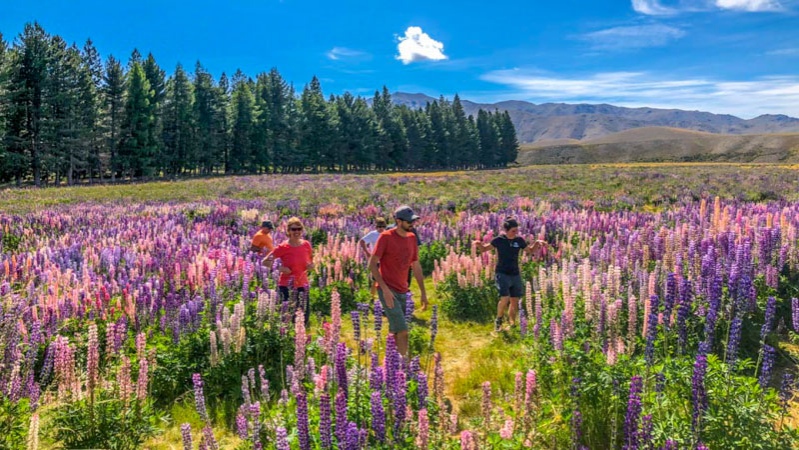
584,122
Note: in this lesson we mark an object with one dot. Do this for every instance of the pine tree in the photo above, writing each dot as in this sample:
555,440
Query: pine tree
157,79
5,171
489,139
137,150
316,127
509,145
27,88
241,155
113,95
178,134
221,124
91,102
279,109
206,115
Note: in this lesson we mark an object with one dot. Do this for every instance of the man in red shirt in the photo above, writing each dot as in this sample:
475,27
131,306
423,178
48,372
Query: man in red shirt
395,253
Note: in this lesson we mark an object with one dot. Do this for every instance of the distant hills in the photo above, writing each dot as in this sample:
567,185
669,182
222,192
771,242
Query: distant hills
585,133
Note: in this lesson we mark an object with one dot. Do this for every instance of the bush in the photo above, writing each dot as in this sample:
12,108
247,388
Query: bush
14,417
106,423
429,254
320,298
468,303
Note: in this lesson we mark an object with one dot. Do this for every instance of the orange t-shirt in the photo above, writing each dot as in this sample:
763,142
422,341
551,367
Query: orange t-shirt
396,254
297,259
263,241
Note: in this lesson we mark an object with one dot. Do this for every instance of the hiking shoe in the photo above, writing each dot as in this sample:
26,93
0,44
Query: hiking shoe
497,324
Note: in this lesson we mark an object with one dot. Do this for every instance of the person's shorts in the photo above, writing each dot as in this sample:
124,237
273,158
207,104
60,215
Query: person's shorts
509,285
395,315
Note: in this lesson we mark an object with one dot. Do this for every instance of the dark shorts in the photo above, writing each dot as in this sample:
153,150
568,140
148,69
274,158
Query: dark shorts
395,315
509,285
300,295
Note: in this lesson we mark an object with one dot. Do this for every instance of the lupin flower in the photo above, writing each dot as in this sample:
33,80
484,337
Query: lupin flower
33,432
255,416
698,393
241,427
467,441
400,402
529,392
92,358
423,436
433,326
734,341
769,355
341,368
302,421
786,391
378,417
143,381
353,436
199,397
282,439
486,407
264,383
518,392
634,408
506,432
795,313
652,330
438,381
422,389
768,320
356,325
325,432
185,431
378,318
341,417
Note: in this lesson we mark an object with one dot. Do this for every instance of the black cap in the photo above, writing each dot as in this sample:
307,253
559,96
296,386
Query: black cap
405,213
267,224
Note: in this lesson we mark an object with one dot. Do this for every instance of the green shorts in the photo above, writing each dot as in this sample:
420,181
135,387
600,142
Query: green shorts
395,315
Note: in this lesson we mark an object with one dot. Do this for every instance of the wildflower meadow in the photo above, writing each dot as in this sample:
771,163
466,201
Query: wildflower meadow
662,316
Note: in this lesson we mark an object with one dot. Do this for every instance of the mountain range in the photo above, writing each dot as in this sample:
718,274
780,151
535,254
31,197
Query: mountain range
538,123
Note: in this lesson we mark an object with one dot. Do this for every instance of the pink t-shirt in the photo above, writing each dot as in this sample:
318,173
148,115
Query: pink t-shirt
297,259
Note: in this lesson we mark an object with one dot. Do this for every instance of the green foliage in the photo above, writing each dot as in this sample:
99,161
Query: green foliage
317,236
9,242
429,254
14,418
107,423
468,303
418,340
320,297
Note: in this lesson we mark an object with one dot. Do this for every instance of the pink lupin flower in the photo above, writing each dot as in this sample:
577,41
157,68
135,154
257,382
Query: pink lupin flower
143,380
300,340
92,359
486,405
467,441
506,432
423,435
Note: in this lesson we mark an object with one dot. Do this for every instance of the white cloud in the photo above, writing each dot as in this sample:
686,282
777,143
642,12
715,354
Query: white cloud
763,95
638,36
417,45
784,52
652,8
338,53
750,5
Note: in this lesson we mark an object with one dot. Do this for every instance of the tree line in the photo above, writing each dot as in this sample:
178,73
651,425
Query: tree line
67,116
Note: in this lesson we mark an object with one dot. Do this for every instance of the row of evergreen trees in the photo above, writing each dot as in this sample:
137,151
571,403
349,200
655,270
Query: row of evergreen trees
65,115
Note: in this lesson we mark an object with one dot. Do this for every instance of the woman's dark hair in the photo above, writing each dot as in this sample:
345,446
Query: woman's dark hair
510,223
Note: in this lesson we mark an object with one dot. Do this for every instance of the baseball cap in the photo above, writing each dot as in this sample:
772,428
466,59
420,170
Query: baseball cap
405,213
267,224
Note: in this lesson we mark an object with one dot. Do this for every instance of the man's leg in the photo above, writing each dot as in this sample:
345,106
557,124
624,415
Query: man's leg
401,339
502,308
513,312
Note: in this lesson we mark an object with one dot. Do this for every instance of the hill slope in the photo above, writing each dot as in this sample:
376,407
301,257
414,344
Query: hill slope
654,144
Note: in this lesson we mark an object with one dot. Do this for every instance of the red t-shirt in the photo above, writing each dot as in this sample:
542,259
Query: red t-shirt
396,254
297,259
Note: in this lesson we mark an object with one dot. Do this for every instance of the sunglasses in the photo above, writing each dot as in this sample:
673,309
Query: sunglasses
295,229
381,227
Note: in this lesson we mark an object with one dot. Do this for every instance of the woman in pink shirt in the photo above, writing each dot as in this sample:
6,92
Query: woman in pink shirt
296,257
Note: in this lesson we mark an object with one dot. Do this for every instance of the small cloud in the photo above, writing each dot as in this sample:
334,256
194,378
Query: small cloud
784,52
638,36
417,45
652,8
338,53
750,5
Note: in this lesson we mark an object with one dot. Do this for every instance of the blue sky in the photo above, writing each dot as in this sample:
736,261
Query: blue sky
727,56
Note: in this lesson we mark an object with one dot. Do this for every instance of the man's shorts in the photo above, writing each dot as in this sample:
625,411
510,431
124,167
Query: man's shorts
509,285
395,315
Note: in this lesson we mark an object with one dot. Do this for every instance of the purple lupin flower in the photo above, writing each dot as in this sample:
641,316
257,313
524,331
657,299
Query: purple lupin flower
376,374
668,299
698,393
408,307
651,330
422,389
769,355
786,391
795,313
486,404
282,439
341,368
264,383
645,439
701,446
522,323
255,416
577,416
324,421
768,319
341,417
683,312
199,397
378,417
356,325
400,402
245,389
185,431
734,341
241,427
353,436
634,408
302,421
669,445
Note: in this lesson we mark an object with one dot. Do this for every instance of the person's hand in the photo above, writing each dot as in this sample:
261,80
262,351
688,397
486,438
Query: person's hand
388,296
424,301
477,245
284,269
309,266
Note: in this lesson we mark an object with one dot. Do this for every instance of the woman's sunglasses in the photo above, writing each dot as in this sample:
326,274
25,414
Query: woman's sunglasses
295,229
